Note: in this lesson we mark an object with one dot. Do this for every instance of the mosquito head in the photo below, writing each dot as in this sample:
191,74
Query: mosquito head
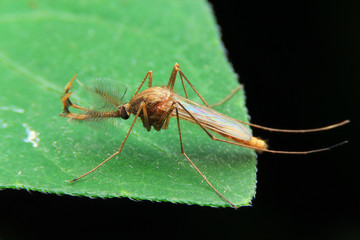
124,111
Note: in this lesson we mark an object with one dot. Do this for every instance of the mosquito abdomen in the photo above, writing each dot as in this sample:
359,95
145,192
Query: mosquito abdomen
258,143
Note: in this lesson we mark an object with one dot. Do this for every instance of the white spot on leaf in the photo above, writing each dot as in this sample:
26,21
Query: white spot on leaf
32,136
12,108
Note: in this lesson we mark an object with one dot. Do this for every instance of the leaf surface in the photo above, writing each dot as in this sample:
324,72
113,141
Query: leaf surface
44,43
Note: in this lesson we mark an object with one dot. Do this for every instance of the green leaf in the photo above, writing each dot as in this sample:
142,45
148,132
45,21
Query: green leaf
44,43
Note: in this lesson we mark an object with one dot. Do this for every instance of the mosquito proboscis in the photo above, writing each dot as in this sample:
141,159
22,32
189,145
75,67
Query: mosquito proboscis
156,105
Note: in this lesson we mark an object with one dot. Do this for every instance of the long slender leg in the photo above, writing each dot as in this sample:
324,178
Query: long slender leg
233,92
145,121
257,148
165,120
173,74
296,130
119,149
182,77
148,74
171,82
228,97
194,166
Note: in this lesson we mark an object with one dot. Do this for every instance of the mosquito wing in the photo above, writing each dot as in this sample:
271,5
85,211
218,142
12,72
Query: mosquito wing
212,119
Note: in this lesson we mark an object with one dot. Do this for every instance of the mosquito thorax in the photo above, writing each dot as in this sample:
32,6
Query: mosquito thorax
123,111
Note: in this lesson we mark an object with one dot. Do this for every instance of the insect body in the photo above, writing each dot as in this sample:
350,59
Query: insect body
156,105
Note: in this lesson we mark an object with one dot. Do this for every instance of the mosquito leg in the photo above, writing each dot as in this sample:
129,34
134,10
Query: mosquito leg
257,148
233,92
171,82
280,152
296,130
148,75
145,118
228,97
165,120
193,88
142,107
194,166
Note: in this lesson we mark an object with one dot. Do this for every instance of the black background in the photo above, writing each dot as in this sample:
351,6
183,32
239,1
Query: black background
299,65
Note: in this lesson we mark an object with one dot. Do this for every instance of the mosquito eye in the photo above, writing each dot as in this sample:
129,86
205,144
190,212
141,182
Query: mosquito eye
123,113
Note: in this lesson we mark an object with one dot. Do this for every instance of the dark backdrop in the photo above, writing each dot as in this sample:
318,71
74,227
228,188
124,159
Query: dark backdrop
299,65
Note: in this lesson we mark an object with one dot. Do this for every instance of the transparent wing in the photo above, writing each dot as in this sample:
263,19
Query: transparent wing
212,119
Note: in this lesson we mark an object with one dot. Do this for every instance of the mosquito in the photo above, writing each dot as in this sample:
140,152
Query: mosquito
156,105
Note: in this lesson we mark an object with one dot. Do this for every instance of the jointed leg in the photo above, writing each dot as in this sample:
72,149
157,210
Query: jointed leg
257,148
194,166
149,74
173,74
165,120
228,97
119,149
145,121
171,82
